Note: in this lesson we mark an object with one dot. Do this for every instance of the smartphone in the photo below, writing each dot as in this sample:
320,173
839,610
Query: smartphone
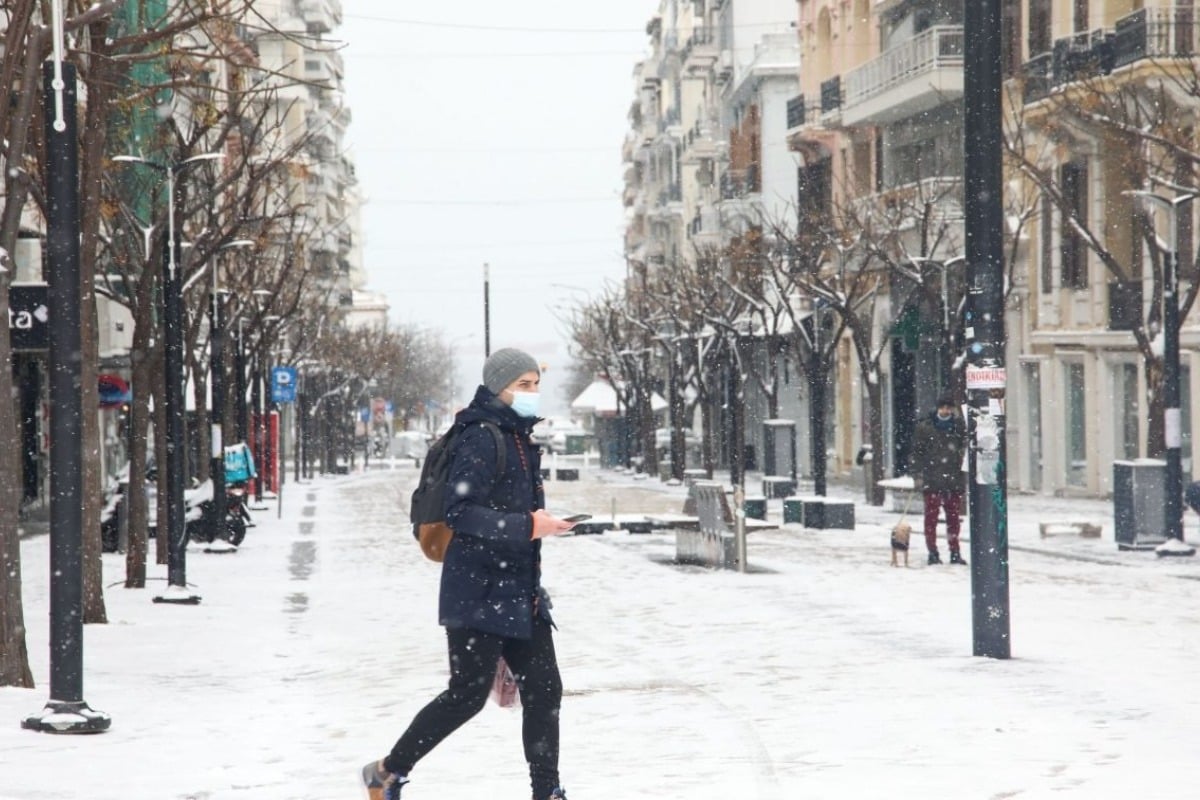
577,518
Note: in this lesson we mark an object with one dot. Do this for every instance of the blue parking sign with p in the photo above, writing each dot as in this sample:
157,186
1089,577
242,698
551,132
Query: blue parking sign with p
283,385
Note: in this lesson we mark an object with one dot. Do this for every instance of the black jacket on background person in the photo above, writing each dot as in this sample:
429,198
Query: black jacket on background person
938,453
491,575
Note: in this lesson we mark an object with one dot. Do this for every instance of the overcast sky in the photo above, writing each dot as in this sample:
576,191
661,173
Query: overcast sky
491,132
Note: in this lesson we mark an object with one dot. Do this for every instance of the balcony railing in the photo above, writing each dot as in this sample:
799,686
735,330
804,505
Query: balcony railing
936,48
1159,33
1155,32
739,183
831,94
701,43
1039,72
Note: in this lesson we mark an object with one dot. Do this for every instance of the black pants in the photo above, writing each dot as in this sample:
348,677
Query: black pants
473,657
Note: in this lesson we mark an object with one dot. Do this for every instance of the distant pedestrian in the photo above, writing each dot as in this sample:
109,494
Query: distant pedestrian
937,470
1191,496
491,601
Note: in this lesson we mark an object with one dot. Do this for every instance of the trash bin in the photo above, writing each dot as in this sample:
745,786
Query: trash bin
1139,503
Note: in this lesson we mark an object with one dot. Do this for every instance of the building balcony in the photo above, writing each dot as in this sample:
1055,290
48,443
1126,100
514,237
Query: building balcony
320,66
320,15
741,197
700,50
905,206
699,142
1155,33
669,202
1150,35
704,230
914,76
670,124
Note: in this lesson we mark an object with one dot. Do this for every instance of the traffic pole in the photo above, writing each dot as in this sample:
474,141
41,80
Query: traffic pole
985,379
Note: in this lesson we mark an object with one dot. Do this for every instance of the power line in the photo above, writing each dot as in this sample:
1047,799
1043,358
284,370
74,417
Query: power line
351,55
441,246
424,23
529,202
463,26
400,149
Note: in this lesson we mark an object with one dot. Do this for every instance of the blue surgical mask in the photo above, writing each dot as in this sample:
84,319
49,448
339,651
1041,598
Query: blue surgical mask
526,403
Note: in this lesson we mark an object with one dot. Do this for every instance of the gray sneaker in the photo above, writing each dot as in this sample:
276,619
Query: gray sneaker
381,784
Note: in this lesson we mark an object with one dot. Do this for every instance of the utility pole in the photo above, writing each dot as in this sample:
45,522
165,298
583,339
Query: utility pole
986,380
487,311
65,711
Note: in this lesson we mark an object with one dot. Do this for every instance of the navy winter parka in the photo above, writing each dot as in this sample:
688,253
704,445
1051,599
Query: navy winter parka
491,575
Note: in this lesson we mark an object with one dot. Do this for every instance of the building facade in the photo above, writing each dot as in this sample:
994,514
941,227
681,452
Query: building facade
750,109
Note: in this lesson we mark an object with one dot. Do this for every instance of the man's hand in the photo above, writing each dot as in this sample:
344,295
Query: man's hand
546,524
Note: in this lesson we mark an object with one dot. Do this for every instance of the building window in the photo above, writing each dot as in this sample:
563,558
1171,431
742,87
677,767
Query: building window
1125,416
1010,42
1073,183
1047,246
1033,416
1075,389
1039,27
1081,15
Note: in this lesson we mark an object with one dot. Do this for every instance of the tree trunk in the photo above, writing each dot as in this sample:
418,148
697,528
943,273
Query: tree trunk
94,139
874,468
139,424
1156,441
817,376
646,425
14,656
203,432
737,426
160,460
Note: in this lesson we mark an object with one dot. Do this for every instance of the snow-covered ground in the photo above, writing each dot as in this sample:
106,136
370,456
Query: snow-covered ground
824,673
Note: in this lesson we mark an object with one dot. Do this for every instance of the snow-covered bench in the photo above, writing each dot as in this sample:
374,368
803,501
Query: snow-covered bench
712,542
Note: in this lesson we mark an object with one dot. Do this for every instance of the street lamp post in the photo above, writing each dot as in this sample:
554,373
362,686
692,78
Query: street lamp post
1172,420
65,711
177,591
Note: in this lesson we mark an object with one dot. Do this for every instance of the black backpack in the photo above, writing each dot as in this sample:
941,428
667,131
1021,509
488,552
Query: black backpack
427,511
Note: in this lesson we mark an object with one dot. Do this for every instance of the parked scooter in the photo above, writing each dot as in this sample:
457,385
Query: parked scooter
201,526
237,516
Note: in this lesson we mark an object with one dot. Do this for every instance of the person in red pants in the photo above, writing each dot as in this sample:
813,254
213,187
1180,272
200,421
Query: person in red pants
937,470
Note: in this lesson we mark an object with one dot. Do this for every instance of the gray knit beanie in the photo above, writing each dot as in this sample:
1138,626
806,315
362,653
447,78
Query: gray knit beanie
505,366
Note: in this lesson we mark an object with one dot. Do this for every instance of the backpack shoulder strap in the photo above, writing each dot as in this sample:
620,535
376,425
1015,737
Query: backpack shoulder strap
501,447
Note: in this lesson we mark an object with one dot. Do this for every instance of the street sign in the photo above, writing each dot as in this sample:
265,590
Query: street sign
29,316
985,377
283,385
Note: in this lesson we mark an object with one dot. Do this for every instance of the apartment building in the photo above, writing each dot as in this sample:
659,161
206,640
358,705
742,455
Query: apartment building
310,102
706,159
1086,80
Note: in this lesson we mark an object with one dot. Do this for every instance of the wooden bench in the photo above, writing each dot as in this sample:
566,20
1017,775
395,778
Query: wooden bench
712,543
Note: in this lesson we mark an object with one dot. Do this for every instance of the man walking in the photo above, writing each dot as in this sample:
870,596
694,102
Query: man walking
937,470
491,602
